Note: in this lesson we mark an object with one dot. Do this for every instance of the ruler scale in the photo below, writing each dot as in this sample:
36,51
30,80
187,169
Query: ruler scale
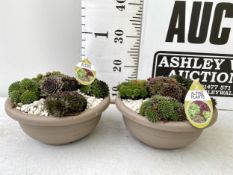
111,38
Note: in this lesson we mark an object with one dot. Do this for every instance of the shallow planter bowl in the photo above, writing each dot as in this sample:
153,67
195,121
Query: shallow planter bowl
57,131
169,135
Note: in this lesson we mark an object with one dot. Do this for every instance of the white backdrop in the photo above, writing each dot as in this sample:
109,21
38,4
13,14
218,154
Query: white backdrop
37,36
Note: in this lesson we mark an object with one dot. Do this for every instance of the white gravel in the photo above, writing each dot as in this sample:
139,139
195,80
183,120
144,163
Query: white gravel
92,101
37,108
134,105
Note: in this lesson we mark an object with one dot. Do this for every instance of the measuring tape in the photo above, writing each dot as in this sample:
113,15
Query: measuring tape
111,36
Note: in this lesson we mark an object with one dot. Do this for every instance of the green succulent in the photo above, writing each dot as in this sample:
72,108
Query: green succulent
28,97
15,96
29,84
25,91
160,108
65,104
98,88
14,87
166,86
135,89
144,107
183,81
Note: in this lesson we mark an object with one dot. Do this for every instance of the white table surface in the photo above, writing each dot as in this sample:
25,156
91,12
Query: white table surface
111,150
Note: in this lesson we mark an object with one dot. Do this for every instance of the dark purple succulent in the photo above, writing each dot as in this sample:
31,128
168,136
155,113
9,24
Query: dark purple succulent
69,84
166,86
51,85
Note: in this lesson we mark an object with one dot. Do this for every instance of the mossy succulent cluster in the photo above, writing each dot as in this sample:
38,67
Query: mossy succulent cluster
25,91
60,91
166,86
98,89
65,103
161,108
133,90
165,97
175,87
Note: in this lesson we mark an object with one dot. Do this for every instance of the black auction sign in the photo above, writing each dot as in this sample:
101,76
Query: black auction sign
214,71
193,39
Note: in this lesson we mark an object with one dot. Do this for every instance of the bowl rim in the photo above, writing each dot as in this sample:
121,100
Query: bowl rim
36,120
172,126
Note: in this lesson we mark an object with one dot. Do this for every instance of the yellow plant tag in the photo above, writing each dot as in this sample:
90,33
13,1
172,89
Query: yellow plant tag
198,106
85,72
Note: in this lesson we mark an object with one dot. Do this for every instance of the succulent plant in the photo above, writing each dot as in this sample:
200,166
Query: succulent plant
183,81
160,108
98,88
135,89
55,84
65,103
29,84
14,87
54,73
166,86
28,97
69,84
40,77
25,91
51,85
144,107
15,96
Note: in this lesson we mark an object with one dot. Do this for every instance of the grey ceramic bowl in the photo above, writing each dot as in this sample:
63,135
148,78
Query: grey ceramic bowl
57,131
169,135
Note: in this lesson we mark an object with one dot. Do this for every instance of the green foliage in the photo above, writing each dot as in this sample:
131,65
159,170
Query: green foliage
135,89
28,97
183,81
98,88
28,84
14,87
166,86
160,108
144,107
15,96
65,103
25,91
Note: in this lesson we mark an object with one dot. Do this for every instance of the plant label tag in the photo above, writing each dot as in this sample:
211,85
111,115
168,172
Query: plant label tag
85,72
198,106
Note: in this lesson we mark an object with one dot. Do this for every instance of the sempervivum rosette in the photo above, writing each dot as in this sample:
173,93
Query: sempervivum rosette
51,85
69,83
166,86
65,103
